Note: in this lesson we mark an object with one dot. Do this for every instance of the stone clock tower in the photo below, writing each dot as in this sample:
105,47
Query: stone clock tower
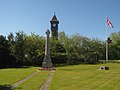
54,27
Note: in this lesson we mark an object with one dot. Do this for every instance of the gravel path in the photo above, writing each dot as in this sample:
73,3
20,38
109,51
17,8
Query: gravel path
47,81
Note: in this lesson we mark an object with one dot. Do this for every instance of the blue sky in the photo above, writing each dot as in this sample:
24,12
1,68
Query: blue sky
86,17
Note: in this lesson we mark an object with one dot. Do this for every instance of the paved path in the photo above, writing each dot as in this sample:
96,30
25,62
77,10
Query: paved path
23,80
47,81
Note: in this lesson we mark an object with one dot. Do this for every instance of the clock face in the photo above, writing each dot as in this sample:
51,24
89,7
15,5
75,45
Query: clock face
54,25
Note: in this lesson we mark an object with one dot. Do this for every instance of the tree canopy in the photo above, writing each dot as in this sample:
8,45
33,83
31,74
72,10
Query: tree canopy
22,49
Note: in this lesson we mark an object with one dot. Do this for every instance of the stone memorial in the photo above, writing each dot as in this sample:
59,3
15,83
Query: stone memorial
47,59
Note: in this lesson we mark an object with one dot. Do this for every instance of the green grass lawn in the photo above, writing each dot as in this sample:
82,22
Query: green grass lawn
86,77
35,82
75,77
10,76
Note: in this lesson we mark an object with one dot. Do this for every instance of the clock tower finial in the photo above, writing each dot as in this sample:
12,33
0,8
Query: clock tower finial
54,27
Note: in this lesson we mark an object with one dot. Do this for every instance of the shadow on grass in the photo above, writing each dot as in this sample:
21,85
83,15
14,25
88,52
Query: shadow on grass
15,67
5,87
8,87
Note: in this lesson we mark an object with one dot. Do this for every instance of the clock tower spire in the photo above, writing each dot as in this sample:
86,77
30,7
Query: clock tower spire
54,27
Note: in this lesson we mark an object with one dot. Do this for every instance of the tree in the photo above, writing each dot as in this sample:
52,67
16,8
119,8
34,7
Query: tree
58,52
34,51
6,60
114,47
75,49
18,47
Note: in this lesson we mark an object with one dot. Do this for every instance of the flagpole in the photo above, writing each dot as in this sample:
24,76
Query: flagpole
106,42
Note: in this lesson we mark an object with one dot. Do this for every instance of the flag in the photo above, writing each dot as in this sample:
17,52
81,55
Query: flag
109,22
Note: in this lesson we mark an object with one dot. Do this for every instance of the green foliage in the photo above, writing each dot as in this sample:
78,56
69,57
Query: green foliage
58,52
29,50
34,48
19,46
26,49
3,42
114,47
79,49
6,59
